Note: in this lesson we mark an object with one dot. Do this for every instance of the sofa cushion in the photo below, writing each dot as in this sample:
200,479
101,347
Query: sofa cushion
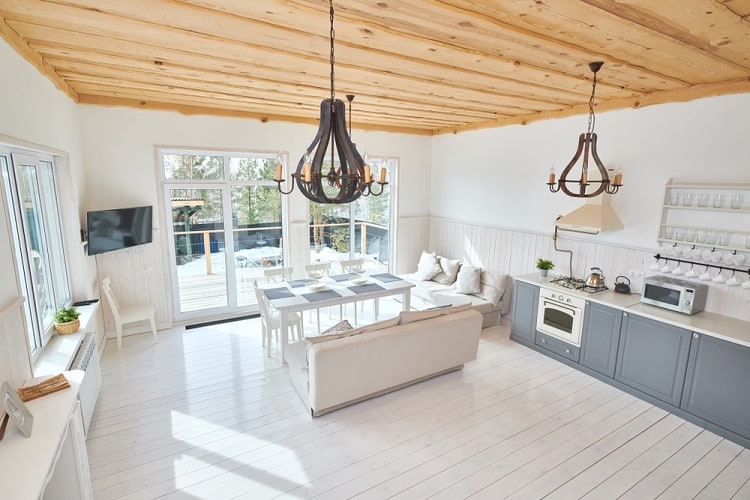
492,286
372,327
448,271
412,316
428,266
469,280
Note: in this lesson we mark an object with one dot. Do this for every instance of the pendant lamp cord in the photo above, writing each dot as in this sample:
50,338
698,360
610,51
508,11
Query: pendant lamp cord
592,118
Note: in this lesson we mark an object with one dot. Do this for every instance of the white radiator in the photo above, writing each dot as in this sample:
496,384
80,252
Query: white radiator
87,359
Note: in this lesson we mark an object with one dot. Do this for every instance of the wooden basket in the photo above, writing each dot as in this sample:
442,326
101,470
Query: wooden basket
69,327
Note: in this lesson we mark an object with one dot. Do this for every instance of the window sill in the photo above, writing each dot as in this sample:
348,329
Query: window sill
59,352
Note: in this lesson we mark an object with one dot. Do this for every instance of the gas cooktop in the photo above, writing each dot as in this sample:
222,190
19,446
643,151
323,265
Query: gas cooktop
576,284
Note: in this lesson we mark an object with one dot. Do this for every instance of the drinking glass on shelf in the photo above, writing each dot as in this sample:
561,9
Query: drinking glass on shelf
668,232
737,201
700,236
674,199
687,199
724,238
679,233
711,237
690,234
703,199
747,242
718,200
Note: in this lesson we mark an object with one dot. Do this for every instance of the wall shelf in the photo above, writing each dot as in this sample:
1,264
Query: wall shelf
689,216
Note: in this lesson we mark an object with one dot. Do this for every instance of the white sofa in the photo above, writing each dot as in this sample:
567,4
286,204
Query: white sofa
375,359
441,286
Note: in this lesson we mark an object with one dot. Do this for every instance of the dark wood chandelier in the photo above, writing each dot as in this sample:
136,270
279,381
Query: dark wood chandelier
587,146
323,183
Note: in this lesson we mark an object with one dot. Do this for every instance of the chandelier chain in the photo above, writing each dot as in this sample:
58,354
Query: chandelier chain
333,36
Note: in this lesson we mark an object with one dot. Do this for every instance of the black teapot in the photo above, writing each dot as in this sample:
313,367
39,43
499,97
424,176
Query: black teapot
622,284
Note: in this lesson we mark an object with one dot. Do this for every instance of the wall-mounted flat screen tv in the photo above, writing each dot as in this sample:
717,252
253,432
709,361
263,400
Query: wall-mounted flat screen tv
118,228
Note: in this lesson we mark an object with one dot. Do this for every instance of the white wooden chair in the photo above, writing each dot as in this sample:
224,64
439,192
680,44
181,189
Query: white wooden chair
278,274
270,321
317,271
130,314
357,266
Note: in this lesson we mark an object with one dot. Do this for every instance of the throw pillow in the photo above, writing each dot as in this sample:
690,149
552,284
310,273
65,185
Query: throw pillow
493,286
337,331
428,266
469,280
412,316
448,271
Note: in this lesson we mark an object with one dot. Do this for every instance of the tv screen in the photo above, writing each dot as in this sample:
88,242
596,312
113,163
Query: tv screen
118,228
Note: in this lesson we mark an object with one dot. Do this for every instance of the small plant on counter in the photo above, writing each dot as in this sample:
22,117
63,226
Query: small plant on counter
544,264
66,320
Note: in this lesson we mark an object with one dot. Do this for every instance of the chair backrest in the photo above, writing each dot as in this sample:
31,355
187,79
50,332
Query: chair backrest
318,270
263,306
278,274
113,304
352,265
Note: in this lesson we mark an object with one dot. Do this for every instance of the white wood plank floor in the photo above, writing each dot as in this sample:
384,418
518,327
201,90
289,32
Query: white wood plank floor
204,414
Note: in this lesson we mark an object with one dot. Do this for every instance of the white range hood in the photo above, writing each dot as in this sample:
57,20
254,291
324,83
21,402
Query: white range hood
592,218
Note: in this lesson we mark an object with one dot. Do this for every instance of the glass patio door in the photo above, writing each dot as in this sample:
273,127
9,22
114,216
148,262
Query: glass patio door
226,227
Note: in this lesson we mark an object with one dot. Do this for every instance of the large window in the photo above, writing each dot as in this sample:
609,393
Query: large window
31,202
358,229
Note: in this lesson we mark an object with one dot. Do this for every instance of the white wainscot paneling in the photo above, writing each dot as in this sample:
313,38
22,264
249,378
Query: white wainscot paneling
137,278
515,252
15,363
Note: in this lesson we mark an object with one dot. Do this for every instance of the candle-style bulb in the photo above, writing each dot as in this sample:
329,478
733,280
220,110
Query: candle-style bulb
551,175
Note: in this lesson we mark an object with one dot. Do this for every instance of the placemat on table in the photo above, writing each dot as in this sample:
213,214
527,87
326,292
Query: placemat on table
343,277
300,282
369,287
386,277
322,295
278,293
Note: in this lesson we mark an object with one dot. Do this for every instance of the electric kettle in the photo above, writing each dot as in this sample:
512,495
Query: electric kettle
595,279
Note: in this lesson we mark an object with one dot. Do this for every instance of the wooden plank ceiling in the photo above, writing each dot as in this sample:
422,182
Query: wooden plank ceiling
416,66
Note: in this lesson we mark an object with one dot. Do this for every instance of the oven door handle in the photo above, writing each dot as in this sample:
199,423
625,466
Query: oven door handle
557,305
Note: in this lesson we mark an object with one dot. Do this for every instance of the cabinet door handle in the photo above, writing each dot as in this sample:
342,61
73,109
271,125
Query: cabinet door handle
544,341
567,351
696,336
625,314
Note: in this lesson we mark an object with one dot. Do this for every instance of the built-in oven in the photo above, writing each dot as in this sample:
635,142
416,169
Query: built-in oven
560,315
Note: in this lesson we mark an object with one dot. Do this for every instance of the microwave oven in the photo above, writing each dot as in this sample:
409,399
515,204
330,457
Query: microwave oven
672,293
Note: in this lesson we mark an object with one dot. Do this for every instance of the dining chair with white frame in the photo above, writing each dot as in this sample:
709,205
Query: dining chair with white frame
278,274
270,321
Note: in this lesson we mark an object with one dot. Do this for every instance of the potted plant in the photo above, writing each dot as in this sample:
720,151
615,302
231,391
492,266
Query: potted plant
66,320
544,266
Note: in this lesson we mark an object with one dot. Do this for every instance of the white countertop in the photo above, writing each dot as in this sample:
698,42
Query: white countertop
708,323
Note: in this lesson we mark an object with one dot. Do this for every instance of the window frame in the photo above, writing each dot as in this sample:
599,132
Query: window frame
40,327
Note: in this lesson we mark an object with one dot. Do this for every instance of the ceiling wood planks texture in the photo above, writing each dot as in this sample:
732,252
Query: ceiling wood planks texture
415,66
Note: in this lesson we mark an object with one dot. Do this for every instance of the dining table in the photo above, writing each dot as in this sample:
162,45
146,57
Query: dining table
299,295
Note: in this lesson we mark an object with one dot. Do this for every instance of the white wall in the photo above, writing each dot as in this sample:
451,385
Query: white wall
496,177
34,114
122,170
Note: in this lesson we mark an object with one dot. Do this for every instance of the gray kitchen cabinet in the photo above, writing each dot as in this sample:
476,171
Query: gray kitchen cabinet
600,339
557,346
652,357
716,384
525,303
